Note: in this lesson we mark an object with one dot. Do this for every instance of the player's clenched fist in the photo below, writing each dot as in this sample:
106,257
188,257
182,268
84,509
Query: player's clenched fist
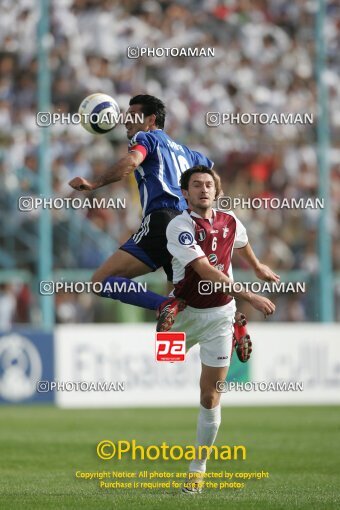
262,304
81,184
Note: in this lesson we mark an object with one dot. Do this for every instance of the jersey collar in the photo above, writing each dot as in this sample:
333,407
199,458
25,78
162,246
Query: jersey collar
195,215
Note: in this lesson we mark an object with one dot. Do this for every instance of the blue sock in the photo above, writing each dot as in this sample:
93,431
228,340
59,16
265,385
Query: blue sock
130,292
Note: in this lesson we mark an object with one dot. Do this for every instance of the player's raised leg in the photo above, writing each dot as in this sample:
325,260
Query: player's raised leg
117,271
121,263
209,419
115,274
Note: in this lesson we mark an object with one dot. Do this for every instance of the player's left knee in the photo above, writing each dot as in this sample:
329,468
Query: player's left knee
96,278
210,399
96,281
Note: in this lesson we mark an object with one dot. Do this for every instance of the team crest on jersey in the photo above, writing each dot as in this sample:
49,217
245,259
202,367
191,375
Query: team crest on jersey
185,238
212,258
225,231
201,234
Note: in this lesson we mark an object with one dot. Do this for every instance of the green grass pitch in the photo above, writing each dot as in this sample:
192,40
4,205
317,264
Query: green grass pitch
42,447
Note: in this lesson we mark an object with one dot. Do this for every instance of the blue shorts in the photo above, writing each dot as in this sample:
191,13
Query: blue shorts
149,244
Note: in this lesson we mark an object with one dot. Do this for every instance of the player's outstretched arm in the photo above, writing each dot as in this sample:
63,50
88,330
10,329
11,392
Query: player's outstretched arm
210,273
261,270
121,169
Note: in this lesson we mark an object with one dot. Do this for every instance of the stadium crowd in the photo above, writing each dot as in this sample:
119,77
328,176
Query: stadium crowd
264,62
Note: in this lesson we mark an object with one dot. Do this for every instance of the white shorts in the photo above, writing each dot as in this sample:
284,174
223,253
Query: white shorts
212,328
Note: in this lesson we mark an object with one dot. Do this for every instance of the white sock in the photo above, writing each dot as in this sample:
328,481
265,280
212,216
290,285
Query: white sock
207,427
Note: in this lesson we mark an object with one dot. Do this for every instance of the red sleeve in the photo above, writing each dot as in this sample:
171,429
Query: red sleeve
140,149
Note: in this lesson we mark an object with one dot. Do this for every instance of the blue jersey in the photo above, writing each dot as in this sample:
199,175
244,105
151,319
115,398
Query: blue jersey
159,174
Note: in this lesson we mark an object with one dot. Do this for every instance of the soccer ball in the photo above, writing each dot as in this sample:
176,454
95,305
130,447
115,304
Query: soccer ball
99,113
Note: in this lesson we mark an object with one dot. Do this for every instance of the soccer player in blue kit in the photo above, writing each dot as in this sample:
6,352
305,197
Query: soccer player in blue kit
158,163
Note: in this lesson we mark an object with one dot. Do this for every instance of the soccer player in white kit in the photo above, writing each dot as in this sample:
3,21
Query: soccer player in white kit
201,241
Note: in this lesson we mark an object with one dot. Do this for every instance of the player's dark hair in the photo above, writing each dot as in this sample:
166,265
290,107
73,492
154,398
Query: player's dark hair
200,169
151,105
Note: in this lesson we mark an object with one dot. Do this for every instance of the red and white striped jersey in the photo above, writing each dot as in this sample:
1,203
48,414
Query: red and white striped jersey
191,237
